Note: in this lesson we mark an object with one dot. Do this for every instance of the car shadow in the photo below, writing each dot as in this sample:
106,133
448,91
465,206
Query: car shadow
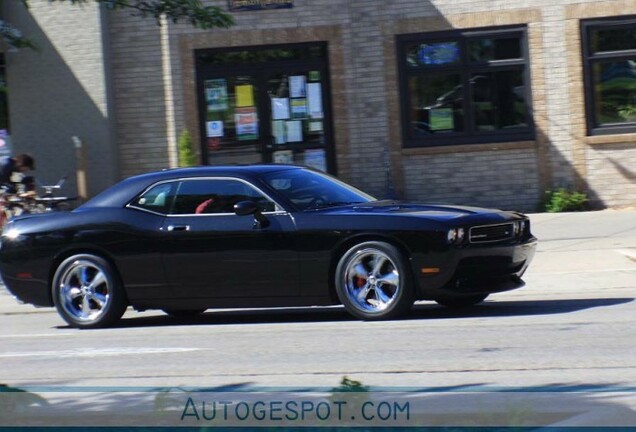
421,310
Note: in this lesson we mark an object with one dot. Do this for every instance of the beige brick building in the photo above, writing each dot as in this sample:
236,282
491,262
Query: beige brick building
481,102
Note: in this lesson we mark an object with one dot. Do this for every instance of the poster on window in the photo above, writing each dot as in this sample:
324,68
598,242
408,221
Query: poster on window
315,158
440,119
280,108
299,108
246,123
216,95
283,157
297,86
314,100
5,143
214,129
244,95
315,126
278,130
294,131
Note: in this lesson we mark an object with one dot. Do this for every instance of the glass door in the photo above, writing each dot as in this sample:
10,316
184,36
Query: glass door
231,119
266,105
296,118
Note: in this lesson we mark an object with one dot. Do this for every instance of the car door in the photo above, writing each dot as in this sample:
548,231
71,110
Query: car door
211,252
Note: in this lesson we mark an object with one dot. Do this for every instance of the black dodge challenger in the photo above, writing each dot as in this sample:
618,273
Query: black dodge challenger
185,240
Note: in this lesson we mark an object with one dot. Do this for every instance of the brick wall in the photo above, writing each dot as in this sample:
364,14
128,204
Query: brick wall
155,97
61,91
139,94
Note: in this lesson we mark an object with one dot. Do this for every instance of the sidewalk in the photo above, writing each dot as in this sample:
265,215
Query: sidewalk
583,254
588,250
569,242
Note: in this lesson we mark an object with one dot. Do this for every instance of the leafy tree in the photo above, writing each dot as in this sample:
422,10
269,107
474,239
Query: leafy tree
187,11
187,157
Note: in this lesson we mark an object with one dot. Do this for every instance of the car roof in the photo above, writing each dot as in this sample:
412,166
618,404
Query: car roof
124,191
216,170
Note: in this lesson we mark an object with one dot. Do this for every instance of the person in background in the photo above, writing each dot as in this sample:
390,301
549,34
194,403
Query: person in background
11,165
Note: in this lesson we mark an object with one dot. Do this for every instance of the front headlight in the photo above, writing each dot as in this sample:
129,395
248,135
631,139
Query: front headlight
519,227
455,235
11,234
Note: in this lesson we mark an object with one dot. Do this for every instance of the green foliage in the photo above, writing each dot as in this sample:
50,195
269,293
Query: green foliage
14,37
192,12
563,200
349,385
187,157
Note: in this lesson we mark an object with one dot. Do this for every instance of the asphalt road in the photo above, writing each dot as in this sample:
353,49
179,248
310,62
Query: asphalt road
572,325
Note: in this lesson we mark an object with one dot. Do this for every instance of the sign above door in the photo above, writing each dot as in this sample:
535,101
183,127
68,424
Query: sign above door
248,5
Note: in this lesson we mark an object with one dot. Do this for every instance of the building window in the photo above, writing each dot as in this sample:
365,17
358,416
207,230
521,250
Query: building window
464,87
609,53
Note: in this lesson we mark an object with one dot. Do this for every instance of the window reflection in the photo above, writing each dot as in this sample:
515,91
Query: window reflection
615,91
481,50
499,100
437,104
465,86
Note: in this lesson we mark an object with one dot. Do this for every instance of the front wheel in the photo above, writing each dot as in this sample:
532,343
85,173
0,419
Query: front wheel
373,281
87,292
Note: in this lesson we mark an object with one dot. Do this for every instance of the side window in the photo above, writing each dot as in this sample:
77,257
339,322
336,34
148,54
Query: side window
465,87
610,74
216,196
157,199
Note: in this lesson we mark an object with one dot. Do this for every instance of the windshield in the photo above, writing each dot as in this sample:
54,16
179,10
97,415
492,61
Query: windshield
311,190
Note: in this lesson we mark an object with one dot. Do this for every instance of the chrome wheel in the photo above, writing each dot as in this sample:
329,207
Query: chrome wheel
372,281
87,292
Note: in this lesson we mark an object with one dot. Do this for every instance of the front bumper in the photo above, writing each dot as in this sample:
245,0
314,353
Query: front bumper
478,269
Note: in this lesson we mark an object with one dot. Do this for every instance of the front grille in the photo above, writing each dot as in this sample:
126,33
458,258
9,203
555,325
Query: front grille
491,233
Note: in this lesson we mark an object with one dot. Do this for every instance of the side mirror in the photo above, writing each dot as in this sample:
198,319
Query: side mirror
244,208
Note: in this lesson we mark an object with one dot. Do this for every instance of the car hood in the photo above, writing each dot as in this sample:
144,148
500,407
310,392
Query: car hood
438,212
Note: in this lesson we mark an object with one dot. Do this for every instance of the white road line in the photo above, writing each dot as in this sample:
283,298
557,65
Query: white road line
96,352
40,335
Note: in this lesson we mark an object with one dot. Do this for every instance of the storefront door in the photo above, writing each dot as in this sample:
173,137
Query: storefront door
266,105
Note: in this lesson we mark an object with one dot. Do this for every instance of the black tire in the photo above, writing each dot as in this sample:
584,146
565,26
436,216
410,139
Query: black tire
374,290
87,292
461,302
184,314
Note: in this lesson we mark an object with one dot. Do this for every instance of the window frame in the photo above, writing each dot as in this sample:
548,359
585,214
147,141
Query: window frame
465,68
278,209
589,59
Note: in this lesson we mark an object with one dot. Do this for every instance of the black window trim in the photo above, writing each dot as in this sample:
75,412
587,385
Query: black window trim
589,59
465,68
279,209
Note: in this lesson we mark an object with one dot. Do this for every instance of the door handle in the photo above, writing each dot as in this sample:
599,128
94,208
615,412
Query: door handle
178,227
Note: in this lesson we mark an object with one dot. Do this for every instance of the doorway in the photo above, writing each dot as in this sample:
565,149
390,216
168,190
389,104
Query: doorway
266,104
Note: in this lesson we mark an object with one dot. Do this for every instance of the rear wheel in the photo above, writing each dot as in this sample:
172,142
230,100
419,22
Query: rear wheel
373,281
462,302
87,292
